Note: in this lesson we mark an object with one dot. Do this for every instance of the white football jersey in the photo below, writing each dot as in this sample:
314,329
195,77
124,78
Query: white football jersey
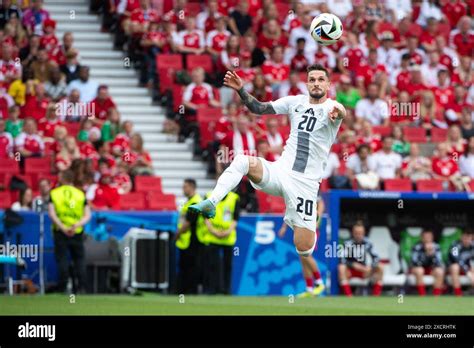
312,134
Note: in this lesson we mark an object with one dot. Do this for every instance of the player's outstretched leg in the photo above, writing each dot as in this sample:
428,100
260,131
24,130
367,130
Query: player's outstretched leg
304,240
229,179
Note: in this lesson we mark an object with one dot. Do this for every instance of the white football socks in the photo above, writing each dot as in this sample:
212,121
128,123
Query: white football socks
230,178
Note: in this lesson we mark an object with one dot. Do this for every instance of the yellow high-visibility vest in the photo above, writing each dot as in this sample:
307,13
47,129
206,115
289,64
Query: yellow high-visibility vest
223,219
184,239
69,203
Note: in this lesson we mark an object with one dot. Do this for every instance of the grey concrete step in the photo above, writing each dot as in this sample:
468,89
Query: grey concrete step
179,183
148,127
114,72
92,45
155,118
159,138
175,147
165,156
173,173
101,54
88,36
77,18
142,110
127,91
77,27
138,100
66,8
181,165
117,63
65,2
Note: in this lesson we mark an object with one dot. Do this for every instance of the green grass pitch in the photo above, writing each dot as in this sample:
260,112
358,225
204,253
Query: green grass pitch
154,304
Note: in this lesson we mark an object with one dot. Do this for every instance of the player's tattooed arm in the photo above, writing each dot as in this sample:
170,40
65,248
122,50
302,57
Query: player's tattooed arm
254,105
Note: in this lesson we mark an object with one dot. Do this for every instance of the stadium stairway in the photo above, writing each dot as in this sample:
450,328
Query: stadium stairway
172,161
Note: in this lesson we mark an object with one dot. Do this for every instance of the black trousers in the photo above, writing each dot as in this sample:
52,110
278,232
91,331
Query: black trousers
190,269
218,269
75,246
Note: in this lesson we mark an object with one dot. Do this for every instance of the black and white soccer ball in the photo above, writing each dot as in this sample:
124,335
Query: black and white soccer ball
326,29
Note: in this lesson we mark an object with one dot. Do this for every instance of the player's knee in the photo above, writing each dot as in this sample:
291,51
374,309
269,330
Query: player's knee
417,271
438,272
305,248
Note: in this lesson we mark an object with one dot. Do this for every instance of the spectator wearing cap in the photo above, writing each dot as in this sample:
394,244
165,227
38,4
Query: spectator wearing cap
217,38
346,94
293,86
72,67
86,87
42,67
55,87
386,53
34,17
372,107
49,40
101,105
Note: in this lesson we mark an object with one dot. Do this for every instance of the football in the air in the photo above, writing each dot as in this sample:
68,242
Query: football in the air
326,29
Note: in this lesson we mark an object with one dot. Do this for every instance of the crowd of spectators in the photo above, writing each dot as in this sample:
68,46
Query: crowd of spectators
50,108
396,69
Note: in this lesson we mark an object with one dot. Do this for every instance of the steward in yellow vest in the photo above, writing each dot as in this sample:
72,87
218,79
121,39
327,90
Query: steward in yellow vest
221,237
69,212
189,239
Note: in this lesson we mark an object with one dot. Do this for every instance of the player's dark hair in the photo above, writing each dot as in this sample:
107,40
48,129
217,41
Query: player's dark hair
67,176
427,230
468,231
358,223
191,182
300,39
317,67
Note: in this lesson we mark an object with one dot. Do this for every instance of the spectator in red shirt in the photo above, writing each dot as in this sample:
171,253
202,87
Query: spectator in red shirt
275,70
454,10
274,138
430,114
456,144
464,74
190,40
60,134
59,53
141,17
427,38
121,142
293,86
271,36
299,61
101,105
217,38
9,69
372,72
293,20
121,179
417,84
207,19
36,104
48,124
443,91
447,55
68,153
400,78
138,158
368,137
6,102
444,166
49,40
268,13
29,143
260,89
463,37
103,196
454,109
6,142
264,151
417,56
199,93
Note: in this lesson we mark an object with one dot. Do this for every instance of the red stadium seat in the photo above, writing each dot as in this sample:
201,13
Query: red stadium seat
382,130
166,79
5,200
147,183
206,133
277,205
415,29
429,185
399,185
324,187
133,201
415,134
263,200
438,135
471,185
177,91
9,166
161,201
199,60
38,165
169,61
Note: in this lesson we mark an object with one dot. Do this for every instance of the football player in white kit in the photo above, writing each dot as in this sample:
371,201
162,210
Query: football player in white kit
297,174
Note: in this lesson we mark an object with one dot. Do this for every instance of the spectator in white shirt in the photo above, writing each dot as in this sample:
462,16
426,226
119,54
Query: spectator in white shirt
429,9
430,70
373,108
86,87
210,12
304,32
340,8
359,166
293,86
190,40
332,165
400,8
386,53
386,163
466,161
